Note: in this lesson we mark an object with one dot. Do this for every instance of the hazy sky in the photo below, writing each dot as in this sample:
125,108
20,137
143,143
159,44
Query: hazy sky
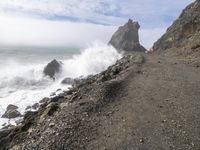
80,22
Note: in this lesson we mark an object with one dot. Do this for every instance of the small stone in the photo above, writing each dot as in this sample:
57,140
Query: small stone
18,122
4,124
30,130
62,105
68,81
36,106
192,144
53,94
58,90
67,97
51,124
142,140
28,107
104,148
44,100
51,109
15,147
57,134
9,107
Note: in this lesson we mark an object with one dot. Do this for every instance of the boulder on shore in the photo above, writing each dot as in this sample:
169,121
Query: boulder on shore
68,81
52,68
126,38
11,112
78,81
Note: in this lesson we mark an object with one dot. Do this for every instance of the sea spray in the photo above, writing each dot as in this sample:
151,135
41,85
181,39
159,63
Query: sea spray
92,60
24,84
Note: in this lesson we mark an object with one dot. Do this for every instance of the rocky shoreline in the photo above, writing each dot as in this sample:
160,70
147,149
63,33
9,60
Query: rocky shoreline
142,102
74,102
54,68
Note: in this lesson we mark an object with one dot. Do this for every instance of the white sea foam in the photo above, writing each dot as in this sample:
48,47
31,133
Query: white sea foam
24,84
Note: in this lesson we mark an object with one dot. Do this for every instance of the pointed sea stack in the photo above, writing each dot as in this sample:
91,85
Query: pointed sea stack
126,38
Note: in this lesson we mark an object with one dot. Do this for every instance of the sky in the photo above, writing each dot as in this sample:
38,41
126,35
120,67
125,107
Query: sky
69,23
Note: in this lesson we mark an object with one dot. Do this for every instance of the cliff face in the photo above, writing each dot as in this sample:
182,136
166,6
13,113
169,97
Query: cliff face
126,38
184,32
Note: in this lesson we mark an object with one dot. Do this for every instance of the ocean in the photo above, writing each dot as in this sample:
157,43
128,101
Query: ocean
22,82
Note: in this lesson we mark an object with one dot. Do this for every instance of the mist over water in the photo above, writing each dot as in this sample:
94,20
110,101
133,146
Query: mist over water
23,83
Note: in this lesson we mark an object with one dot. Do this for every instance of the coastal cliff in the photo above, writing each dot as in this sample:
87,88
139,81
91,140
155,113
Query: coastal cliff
144,101
184,33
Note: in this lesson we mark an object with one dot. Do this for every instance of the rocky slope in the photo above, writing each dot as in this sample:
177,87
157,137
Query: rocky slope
70,120
184,33
126,38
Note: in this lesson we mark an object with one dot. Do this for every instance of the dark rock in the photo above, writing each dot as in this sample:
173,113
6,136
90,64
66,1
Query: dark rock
18,122
53,94
52,68
69,81
51,108
11,107
57,98
115,70
77,82
36,106
126,38
29,114
5,132
28,120
11,112
28,107
58,90
4,124
44,100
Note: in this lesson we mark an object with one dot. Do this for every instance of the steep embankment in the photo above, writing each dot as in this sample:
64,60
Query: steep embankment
182,37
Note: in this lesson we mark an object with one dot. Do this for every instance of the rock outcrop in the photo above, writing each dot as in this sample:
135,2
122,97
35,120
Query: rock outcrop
126,38
184,32
52,68
77,81
11,112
